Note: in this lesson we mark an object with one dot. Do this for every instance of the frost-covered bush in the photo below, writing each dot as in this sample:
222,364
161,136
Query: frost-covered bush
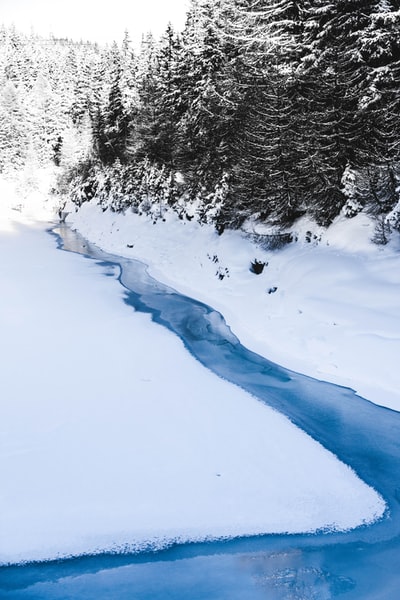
375,190
393,218
382,231
142,186
355,190
211,202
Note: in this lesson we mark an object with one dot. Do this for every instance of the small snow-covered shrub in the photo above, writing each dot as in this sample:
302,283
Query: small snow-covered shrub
393,217
352,207
355,190
382,231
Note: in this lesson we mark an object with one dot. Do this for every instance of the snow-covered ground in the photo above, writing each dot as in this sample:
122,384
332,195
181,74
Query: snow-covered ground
335,314
112,435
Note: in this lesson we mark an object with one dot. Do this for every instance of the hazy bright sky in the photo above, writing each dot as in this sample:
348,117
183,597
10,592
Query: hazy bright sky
95,20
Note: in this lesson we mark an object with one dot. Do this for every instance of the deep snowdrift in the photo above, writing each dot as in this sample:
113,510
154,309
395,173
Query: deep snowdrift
114,437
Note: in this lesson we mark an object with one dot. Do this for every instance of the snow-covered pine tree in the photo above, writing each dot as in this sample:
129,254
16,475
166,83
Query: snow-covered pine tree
14,134
208,98
335,75
109,112
268,177
154,133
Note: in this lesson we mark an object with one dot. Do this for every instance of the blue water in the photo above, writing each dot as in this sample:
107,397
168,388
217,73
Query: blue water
363,564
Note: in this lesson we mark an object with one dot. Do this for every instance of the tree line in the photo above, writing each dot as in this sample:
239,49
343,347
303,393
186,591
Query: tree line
265,109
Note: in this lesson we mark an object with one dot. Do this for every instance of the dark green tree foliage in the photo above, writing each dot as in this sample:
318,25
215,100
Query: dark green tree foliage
380,50
116,121
210,98
200,125
266,108
269,175
331,75
154,136
111,115
269,171
345,129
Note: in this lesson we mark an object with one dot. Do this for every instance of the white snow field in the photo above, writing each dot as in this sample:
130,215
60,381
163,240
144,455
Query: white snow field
114,437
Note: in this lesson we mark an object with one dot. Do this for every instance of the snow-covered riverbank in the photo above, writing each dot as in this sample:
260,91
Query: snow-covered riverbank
114,437
335,313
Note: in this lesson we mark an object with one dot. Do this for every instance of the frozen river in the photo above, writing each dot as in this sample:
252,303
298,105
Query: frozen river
361,564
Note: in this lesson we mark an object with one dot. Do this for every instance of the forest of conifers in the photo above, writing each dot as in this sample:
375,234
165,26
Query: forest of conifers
269,109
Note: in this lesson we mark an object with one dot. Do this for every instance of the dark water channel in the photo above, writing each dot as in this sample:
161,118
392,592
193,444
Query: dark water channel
363,564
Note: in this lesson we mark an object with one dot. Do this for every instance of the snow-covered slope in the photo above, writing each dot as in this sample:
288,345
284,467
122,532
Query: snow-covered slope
335,313
108,443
